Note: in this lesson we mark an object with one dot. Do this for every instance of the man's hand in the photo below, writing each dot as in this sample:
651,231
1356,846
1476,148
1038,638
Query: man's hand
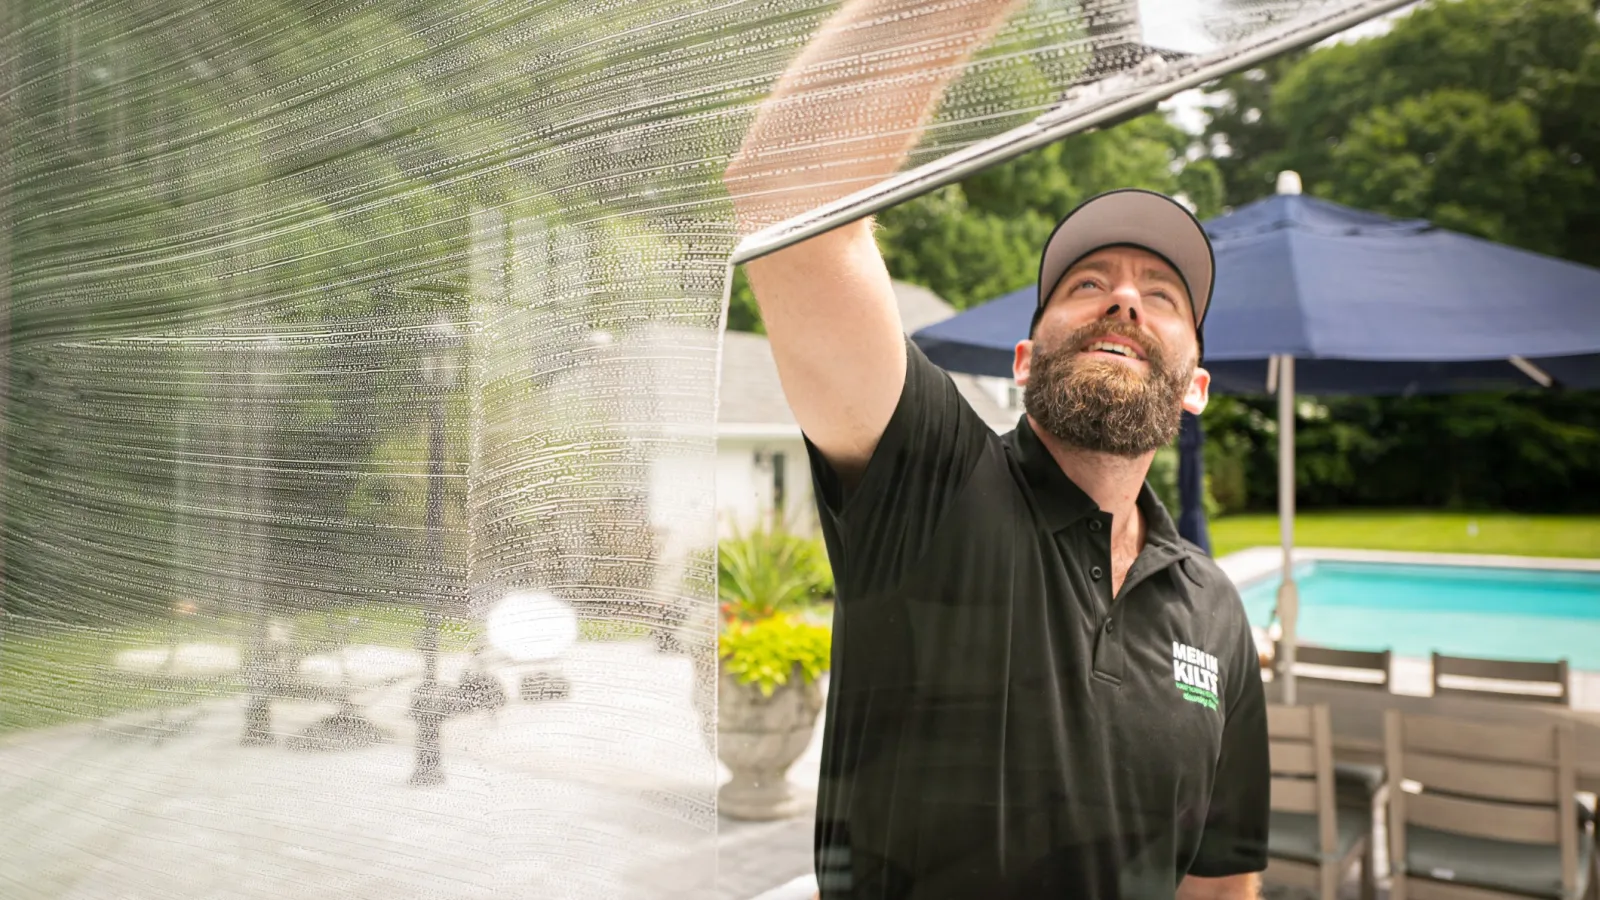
852,105
1232,887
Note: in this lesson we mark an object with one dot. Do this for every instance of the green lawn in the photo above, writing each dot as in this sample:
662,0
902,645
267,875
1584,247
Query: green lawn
55,674
1421,531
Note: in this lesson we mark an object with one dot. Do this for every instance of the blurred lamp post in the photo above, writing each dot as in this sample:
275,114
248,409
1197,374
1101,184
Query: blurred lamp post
266,667
432,702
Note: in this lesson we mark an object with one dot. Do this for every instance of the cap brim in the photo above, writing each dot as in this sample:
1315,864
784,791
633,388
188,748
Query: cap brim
1138,218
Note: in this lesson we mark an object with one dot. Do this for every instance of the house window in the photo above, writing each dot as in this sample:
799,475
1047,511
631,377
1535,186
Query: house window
778,506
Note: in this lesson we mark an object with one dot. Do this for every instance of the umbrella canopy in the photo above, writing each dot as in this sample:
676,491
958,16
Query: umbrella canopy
1365,304
982,339
1319,298
1373,305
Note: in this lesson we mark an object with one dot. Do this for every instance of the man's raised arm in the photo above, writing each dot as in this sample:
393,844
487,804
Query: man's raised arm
845,115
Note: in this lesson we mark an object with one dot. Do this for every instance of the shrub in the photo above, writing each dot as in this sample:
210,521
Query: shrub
769,571
767,652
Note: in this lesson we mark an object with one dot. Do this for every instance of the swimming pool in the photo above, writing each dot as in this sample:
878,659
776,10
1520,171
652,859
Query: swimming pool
1509,613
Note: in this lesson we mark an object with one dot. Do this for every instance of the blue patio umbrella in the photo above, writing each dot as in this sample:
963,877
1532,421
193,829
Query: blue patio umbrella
1320,298
1363,303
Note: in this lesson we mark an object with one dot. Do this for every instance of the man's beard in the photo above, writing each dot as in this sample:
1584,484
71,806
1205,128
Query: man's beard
1102,405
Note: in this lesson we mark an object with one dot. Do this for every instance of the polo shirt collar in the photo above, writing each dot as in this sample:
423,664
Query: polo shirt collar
1159,529
1060,499
1063,503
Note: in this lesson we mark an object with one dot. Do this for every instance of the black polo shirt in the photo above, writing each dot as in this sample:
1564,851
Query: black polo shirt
999,725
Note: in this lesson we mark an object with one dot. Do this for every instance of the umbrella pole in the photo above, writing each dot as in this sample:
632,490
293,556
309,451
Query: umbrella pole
1288,593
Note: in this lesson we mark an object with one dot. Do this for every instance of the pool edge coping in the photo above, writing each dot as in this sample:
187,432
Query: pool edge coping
1250,565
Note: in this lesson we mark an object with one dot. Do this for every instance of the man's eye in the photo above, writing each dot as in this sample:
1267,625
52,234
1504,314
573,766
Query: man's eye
1163,296
1086,283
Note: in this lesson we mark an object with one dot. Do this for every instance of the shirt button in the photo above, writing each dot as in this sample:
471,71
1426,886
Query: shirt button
1094,524
1095,573
1111,626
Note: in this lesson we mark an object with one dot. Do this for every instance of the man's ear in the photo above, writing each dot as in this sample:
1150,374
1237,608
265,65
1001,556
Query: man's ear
1022,363
1199,392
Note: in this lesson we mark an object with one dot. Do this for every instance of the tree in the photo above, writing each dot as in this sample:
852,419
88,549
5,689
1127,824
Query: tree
1476,114
1465,161
972,241
1240,139
1479,116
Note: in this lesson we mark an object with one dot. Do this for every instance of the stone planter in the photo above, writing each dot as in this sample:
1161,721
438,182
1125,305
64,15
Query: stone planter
758,739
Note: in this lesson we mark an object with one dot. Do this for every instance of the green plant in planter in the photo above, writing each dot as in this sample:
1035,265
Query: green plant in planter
769,571
767,652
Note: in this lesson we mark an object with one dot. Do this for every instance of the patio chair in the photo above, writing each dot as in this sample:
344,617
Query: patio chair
1494,816
1502,679
1344,668
1357,669
1313,840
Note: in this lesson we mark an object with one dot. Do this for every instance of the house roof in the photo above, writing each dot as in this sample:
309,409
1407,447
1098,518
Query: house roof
752,400
750,392
920,307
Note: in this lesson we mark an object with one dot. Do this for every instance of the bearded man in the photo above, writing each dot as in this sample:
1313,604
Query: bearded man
1039,690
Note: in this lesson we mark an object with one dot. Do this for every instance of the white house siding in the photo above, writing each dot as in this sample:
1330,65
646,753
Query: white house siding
755,424
748,484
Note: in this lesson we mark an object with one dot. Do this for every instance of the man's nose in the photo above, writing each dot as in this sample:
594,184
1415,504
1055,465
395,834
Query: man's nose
1125,303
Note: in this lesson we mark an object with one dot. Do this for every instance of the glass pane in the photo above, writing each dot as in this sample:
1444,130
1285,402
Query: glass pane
359,428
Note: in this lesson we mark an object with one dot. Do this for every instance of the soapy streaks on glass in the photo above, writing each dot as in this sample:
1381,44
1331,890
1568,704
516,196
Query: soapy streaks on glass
336,334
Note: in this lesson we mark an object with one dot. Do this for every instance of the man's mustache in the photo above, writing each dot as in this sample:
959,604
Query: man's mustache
1149,345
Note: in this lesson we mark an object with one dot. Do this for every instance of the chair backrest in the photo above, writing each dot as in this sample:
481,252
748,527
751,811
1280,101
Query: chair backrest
1300,743
1511,783
1346,668
1504,679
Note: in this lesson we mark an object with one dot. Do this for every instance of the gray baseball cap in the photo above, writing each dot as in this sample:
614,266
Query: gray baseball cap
1131,217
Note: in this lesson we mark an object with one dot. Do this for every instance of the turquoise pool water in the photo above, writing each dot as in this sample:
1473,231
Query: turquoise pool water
1464,610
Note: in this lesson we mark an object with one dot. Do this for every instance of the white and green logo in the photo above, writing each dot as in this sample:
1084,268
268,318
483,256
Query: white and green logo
1196,674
